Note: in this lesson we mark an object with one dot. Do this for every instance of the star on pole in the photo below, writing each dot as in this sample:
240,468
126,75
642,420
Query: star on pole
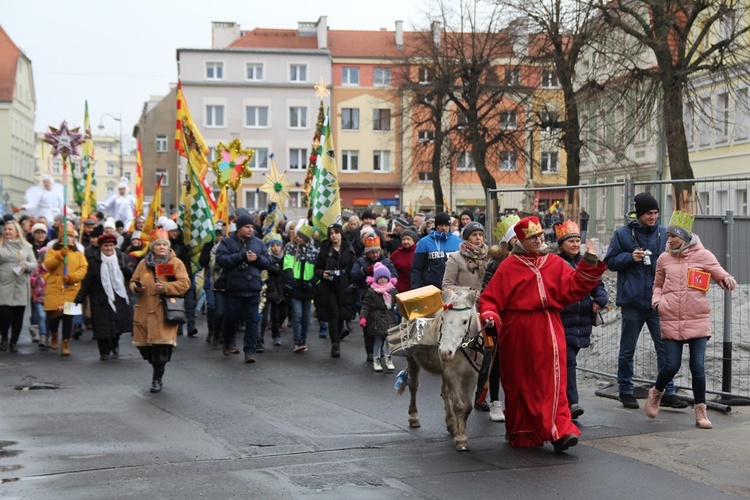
276,186
321,89
64,141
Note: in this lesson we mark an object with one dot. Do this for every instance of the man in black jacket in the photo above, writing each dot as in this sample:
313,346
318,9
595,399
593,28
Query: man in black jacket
243,256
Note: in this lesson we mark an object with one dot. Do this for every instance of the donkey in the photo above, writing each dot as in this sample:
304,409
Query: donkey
456,324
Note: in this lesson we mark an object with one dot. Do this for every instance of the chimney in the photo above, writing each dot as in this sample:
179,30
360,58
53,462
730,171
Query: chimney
435,28
400,35
322,32
223,34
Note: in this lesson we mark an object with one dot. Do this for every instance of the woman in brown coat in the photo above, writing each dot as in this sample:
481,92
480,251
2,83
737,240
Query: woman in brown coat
152,335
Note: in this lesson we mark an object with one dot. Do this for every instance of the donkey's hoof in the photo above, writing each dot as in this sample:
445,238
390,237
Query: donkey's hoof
414,424
462,447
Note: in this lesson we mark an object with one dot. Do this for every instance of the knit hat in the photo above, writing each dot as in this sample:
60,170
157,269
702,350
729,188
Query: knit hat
471,227
381,222
566,230
681,224
467,212
367,215
372,243
98,231
271,238
162,220
411,234
107,238
306,232
243,220
169,225
401,222
135,235
38,227
366,231
380,271
528,227
335,227
119,223
442,219
644,202
110,222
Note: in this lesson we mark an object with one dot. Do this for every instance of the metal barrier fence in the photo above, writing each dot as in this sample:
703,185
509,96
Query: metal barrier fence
723,225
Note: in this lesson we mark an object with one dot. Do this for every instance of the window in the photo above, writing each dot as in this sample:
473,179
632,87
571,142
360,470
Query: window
425,176
426,98
704,122
214,116
126,175
350,161
214,71
381,77
295,199
741,201
56,168
297,117
381,119
722,117
349,76
461,121
602,128
381,161
110,168
426,136
350,119
549,163
254,72
550,118
426,75
110,188
255,200
256,116
211,154
165,179
688,114
549,79
298,73
508,120
508,161
741,114
298,159
464,161
260,159
512,77
161,143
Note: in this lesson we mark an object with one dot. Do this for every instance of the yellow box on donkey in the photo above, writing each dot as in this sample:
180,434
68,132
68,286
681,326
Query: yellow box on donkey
419,302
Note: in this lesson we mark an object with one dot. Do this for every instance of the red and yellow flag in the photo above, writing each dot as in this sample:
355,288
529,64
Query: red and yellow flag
138,185
188,140
222,207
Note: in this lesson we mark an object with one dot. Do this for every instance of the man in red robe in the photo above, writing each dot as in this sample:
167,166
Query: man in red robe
523,300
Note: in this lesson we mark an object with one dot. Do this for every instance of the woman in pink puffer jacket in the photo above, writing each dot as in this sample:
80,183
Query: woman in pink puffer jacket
682,279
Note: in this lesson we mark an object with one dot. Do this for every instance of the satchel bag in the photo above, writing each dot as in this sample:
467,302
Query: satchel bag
174,310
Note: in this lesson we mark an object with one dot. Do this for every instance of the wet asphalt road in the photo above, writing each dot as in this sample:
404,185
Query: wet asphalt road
308,426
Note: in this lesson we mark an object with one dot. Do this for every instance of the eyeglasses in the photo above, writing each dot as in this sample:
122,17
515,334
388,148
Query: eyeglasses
539,236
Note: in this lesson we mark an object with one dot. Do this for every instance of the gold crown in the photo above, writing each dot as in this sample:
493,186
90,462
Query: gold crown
532,229
682,219
567,228
158,234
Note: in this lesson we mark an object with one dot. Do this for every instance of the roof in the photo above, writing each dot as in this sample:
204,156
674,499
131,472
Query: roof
9,54
264,38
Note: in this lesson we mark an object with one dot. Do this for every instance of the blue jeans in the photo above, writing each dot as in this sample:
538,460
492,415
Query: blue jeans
240,309
300,319
673,350
572,389
39,317
633,320
210,309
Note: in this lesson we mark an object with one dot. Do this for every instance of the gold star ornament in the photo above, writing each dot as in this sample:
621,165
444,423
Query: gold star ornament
276,186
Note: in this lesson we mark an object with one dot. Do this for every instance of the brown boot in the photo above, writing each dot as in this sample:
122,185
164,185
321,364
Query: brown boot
65,348
701,419
652,402
53,342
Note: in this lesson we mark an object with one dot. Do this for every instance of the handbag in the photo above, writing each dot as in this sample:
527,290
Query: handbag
596,318
174,310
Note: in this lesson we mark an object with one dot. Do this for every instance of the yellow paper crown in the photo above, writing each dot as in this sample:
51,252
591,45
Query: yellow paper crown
567,228
682,219
532,227
505,224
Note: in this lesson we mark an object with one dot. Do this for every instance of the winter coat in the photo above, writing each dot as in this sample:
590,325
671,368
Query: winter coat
635,280
182,251
57,293
379,317
684,311
149,327
204,260
299,270
218,273
106,323
338,292
38,284
459,273
275,280
363,268
430,258
576,318
402,258
242,277
15,289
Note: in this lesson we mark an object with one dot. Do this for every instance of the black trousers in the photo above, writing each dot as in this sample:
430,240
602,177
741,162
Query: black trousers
11,317
158,355
53,324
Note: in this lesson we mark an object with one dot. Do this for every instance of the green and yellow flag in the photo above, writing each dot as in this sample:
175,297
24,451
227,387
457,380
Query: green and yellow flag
84,175
325,198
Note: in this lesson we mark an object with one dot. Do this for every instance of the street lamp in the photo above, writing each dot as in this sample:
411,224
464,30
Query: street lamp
118,120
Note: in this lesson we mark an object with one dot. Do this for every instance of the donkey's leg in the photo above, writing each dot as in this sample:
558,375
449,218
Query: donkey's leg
446,392
413,368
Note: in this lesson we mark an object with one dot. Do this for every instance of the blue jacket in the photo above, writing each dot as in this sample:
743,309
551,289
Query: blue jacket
635,280
430,257
576,318
242,277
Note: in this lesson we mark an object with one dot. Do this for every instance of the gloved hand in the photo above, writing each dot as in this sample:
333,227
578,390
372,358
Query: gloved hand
66,280
363,322
369,270
64,252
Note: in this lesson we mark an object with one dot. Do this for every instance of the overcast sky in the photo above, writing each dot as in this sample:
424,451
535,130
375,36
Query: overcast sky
118,53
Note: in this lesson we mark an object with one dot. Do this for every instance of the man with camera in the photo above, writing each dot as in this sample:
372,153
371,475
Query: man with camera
632,253
243,257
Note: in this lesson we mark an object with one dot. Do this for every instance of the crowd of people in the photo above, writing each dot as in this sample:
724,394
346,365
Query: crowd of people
258,277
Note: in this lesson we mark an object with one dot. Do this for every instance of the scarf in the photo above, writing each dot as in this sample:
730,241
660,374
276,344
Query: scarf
152,261
384,290
112,280
476,257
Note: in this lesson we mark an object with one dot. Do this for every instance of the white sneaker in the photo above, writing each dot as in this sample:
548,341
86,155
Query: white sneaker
496,412
389,363
34,332
376,365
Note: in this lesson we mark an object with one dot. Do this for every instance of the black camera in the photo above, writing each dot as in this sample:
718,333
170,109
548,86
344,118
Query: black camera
244,266
334,272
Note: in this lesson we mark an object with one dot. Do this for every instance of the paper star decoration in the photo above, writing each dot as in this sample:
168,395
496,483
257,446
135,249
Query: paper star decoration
64,141
232,164
276,186
321,89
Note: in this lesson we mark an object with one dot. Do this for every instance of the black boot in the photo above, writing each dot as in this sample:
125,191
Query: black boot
156,385
4,344
335,351
13,347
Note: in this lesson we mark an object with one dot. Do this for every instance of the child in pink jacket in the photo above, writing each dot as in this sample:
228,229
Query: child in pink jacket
683,275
